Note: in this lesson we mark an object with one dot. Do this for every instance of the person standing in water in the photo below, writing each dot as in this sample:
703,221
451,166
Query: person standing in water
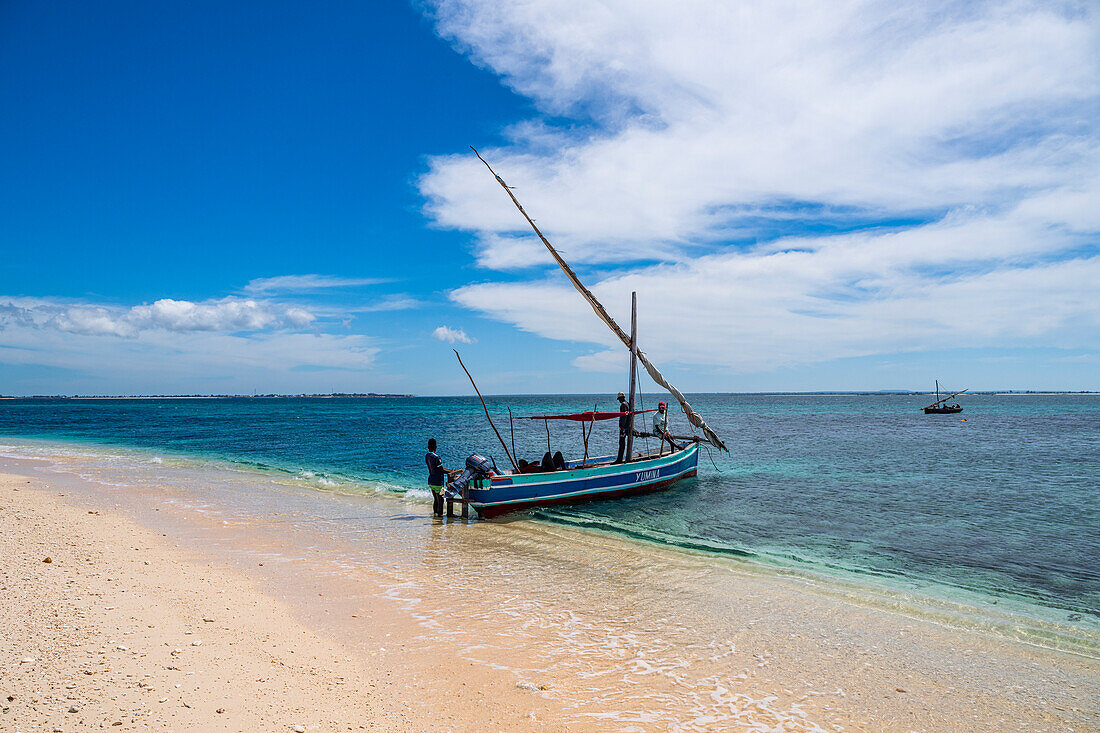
624,426
437,477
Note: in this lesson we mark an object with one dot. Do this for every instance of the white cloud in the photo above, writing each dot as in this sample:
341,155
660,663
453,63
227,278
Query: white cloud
814,299
229,314
306,283
711,115
235,344
452,335
388,303
714,136
225,315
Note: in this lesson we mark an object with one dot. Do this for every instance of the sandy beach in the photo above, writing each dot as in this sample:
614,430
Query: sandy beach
156,612
122,628
108,625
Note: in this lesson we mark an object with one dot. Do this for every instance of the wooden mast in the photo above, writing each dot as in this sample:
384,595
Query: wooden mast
654,373
633,374
945,399
494,427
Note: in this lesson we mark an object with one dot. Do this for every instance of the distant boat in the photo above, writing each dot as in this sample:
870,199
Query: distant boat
940,406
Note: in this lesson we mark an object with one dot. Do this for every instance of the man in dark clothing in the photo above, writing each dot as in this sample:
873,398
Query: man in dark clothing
437,477
624,426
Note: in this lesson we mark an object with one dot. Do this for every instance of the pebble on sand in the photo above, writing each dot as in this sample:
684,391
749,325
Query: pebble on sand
298,728
47,560
74,709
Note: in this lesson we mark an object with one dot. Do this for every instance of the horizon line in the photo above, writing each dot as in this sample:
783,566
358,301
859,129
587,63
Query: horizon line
397,395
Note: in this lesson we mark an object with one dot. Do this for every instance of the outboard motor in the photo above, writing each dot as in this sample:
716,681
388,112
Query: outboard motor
476,467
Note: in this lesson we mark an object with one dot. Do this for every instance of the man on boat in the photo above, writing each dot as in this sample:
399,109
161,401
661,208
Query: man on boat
437,477
624,426
660,427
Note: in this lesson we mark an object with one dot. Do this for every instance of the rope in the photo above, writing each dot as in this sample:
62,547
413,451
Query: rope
641,403
707,449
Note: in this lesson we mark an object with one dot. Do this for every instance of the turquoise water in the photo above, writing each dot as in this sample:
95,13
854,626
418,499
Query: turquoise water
1000,502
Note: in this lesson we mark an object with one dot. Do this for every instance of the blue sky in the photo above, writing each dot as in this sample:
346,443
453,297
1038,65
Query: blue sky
228,197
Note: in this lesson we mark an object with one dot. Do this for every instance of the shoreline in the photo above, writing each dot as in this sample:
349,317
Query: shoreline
1007,614
769,637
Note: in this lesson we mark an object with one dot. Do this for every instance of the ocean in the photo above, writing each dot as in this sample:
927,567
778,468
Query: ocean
997,505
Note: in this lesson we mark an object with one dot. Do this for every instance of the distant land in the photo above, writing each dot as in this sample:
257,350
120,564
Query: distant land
330,396
353,395
903,392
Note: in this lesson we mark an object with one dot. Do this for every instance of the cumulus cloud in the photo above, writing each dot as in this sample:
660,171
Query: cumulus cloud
229,314
229,344
814,181
452,335
307,283
225,315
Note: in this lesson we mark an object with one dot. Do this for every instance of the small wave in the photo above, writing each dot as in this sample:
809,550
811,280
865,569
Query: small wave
312,477
52,451
685,543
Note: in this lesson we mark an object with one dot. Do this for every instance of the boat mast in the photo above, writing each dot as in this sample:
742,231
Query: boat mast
633,373
659,379
947,398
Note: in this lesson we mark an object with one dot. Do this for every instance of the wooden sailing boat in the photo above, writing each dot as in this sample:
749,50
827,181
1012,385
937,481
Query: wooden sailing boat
940,406
587,478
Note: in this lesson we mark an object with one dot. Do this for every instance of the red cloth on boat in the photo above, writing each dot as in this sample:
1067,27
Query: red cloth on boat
584,416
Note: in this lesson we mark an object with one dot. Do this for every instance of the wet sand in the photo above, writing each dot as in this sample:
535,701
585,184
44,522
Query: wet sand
405,622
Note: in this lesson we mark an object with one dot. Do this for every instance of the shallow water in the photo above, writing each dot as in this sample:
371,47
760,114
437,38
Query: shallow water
997,505
613,633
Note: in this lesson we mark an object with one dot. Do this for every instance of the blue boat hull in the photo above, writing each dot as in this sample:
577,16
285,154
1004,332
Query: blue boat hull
511,493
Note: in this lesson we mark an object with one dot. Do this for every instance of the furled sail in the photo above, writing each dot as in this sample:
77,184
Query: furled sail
693,417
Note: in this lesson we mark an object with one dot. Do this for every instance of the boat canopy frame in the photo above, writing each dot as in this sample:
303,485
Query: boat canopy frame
590,416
